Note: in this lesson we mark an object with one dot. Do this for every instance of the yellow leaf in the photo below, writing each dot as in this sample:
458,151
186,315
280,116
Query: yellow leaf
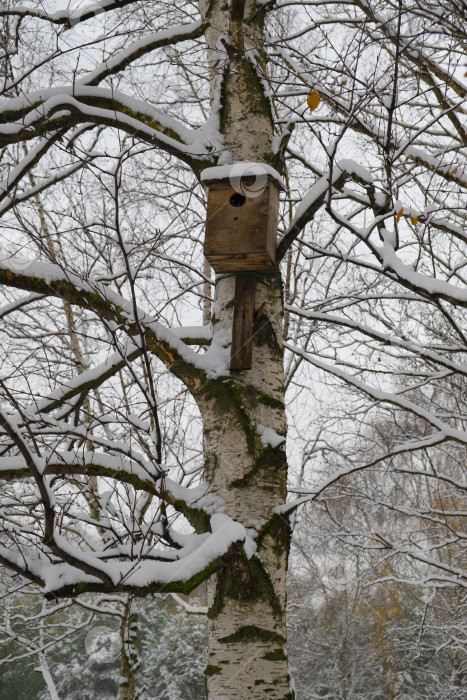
399,215
454,170
413,219
313,100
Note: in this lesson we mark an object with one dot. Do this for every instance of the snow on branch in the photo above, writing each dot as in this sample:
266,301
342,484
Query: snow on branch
120,60
413,52
129,468
34,543
308,495
62,107
66,17
416,281
52,280
316,197
192,609
89,379
117,463
381,396
385,338
19,304
194,562
39,101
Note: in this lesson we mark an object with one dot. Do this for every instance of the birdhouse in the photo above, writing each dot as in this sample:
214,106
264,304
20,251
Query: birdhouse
242,215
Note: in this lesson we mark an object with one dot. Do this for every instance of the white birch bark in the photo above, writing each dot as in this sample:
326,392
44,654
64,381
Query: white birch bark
246,656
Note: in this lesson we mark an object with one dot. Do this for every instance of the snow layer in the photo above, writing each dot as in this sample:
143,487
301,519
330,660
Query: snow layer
241,169
268,436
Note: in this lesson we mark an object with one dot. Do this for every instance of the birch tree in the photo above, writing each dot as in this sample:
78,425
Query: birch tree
112,116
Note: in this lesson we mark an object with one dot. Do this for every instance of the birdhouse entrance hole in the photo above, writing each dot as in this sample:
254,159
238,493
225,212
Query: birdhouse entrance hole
237,199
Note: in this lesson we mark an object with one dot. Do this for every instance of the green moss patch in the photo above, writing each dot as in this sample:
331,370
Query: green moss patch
252,633
212,670
276,655
243,580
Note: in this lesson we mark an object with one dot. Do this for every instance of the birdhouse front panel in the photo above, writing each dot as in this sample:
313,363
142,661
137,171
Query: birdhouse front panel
241,230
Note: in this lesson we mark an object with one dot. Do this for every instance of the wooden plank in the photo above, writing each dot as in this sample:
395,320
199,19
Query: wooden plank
241,356
241,237
240,263
231,229
273,220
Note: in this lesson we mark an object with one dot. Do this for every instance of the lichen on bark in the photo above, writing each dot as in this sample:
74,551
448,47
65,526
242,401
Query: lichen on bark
247,595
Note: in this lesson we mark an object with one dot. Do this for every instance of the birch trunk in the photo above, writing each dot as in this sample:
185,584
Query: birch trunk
246,656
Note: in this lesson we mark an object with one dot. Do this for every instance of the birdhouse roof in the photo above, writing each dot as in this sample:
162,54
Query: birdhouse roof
239,170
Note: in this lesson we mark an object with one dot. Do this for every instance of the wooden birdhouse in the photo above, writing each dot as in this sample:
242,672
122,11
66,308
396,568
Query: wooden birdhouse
241,222
241,238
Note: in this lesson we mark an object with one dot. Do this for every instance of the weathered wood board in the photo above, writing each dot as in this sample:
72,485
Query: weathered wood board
243,321
241,231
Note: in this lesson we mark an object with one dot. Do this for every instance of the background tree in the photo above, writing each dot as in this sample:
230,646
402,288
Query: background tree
74,651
